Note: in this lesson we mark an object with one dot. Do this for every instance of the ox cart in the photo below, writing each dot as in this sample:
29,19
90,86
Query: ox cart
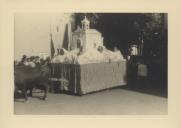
86,78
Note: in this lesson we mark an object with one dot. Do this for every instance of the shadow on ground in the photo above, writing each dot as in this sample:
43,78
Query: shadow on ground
152,88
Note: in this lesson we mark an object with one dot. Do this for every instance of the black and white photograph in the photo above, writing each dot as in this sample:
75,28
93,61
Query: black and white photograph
90,63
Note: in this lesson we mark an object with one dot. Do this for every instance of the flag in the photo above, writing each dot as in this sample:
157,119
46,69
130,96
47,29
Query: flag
52,49
69,35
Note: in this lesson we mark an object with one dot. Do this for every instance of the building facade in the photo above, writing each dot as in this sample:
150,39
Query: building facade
86,38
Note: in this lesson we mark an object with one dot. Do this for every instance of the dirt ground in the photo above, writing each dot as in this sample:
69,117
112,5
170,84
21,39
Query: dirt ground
117,101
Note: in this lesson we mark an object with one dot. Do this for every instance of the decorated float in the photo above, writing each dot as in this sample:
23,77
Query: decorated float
87,65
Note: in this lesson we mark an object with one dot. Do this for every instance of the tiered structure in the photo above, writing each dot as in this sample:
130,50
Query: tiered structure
85,38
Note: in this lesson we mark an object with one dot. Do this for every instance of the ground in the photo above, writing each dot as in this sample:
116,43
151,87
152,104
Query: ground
126,100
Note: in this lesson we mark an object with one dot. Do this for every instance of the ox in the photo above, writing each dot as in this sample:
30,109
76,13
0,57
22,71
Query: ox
27,78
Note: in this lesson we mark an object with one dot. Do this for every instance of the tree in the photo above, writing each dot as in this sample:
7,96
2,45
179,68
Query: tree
151,29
